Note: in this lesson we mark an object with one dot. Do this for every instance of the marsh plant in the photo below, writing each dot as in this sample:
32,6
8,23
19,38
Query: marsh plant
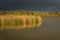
8,22
0,23
32,21
18,22
36,21
27,22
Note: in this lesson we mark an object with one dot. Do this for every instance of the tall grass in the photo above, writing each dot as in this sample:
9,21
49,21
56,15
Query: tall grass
7,22
18,22
36,21
0,23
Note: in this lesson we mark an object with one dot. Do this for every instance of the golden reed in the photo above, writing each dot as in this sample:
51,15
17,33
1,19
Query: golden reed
29,12
16,19
19,21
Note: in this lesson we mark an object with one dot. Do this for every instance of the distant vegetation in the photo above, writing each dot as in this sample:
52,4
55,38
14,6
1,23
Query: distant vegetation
28,12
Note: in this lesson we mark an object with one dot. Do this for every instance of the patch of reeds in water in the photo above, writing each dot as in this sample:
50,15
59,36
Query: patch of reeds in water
14,22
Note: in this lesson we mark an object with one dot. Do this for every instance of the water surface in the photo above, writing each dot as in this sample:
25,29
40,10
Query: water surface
50,30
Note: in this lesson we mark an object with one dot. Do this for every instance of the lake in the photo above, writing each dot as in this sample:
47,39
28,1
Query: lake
49,30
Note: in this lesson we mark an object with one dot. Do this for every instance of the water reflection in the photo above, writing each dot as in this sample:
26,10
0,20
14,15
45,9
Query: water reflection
50,30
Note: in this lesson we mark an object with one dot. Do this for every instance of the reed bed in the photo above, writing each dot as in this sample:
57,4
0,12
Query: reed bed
17,21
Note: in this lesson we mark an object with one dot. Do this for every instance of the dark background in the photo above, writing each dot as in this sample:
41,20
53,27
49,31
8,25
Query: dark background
35,5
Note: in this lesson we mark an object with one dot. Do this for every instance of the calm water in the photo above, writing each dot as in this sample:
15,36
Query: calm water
50,30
